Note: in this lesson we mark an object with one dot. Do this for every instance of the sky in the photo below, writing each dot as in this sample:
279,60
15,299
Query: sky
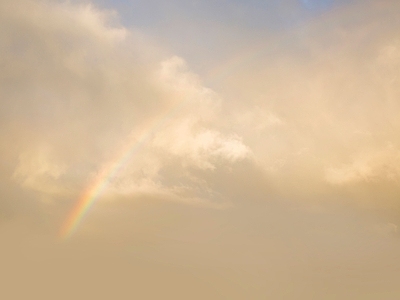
199,149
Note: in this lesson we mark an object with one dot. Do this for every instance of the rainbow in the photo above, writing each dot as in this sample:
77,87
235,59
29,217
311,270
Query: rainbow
95,189
103,179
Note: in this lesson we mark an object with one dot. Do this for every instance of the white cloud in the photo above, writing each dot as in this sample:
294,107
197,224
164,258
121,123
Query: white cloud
84,86
38,170
77,87
382,164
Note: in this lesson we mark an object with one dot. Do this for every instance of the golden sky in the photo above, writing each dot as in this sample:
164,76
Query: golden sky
199,149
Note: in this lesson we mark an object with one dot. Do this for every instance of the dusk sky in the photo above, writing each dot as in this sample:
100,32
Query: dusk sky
200,149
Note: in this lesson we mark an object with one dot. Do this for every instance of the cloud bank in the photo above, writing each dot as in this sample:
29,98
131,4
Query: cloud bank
76,88
315,122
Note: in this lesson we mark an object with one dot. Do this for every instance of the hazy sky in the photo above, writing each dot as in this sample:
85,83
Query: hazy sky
199,149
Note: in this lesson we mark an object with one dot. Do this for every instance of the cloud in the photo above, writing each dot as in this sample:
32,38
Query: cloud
36,169
306,121
371,166
251,189
77,88
334,95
